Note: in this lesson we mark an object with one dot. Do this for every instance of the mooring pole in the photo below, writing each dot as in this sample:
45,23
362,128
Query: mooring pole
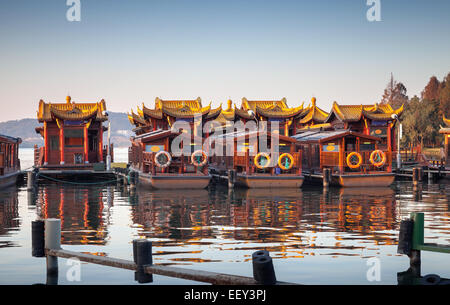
326,177
30,181
415,176
142,256
263,271
52,242
231,178
133,179
37,238
417,239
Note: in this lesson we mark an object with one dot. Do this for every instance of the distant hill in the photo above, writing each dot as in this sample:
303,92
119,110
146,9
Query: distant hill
25,129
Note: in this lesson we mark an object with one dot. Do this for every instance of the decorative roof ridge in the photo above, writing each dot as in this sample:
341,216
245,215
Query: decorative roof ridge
446,121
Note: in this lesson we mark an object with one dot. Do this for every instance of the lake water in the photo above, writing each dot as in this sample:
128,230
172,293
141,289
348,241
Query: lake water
314,237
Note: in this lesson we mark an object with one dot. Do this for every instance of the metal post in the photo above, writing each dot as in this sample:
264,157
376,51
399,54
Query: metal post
142,256
417,238
108,148
52,241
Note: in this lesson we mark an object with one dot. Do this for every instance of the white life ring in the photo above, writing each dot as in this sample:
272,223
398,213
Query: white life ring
168,157
194,159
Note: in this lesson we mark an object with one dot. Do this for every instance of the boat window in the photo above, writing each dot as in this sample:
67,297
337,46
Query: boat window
73,138
350,144
367,146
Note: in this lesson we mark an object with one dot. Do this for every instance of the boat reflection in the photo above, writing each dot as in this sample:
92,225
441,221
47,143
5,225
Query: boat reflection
9,215
291,217
81,210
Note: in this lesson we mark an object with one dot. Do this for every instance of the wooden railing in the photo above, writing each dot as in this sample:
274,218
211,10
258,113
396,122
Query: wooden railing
247,163
38,155
366,165
145,161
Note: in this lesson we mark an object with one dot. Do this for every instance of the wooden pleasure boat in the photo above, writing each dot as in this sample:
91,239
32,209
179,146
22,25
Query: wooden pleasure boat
158,167
9,160
353,159
277,165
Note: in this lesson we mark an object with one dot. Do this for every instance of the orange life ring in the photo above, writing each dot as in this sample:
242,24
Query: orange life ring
195,160
284,166
377,154
350,157
168,159
257,159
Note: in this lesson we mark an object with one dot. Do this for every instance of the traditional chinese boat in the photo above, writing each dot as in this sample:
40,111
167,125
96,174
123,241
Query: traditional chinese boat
73,137
9,160
157,166
254,163
354,159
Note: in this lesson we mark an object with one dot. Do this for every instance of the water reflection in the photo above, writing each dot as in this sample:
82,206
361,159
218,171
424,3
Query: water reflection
9,216
185,225
283,221
80,210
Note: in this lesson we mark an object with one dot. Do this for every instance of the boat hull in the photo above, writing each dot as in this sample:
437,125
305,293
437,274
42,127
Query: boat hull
167,181
367,180
9,179
269,181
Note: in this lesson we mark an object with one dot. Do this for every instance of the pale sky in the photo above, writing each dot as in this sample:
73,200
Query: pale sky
129,52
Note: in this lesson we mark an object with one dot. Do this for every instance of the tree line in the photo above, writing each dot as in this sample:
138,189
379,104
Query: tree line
422,116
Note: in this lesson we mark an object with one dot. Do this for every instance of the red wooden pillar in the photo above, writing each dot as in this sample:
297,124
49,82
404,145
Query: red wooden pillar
100,144
45,143
61,144
389,139
86,145
341,155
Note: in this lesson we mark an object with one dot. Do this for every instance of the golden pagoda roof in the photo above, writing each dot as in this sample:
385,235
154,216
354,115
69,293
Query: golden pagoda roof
445,129
226,115
136,119
354,113
176,109
263,104
381,112
313,113
153,113
277,111
446,121
177,104
245,114
71,111
214,113
270,108
185,111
